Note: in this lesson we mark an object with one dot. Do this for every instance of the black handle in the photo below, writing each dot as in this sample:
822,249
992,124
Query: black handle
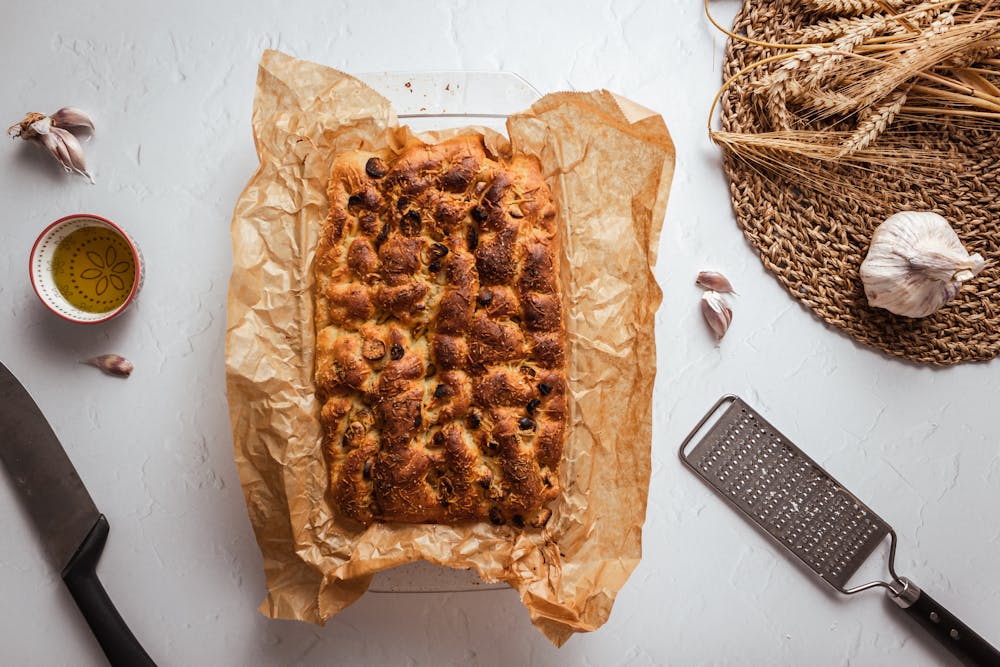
945,627
119,644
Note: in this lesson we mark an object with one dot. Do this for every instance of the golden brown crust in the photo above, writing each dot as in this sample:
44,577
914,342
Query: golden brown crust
439,348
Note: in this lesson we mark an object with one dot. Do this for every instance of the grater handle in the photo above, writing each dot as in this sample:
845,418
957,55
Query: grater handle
944,626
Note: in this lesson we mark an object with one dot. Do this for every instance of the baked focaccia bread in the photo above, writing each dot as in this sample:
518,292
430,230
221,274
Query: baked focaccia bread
440,334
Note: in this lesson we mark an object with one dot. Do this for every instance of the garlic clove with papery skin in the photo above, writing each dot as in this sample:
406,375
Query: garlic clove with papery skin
73,150
74,120
715,281
112,364
63,146
916,264
717,313
56,134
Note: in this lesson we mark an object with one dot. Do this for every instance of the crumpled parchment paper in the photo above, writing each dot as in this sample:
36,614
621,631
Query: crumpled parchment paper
609,163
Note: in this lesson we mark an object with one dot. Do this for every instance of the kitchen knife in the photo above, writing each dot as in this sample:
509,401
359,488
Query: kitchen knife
71,528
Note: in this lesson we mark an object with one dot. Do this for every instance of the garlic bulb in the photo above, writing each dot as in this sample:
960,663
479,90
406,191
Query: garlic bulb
916,264
55,133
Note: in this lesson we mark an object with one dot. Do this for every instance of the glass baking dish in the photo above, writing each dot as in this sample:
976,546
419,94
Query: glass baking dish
435,101
440,100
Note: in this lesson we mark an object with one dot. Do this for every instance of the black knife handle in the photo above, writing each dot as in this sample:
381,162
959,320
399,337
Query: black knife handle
119,644
945,627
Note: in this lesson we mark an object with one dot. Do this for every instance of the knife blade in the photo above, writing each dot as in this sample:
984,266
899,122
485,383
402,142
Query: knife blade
71,528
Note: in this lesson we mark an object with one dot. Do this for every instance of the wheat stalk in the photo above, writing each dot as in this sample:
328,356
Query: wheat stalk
888,27
826,71
830,102
845,44
941,40
978,82
853,7
780,86
832,29
874,123
822,145
980,53
860,70
808,158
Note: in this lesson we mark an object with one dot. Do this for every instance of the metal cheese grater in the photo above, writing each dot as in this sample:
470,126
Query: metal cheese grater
777,486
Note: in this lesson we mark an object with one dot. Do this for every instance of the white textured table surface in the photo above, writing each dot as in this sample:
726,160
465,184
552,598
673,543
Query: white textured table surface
170,86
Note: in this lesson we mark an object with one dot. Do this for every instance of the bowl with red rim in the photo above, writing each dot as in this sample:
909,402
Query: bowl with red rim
86,269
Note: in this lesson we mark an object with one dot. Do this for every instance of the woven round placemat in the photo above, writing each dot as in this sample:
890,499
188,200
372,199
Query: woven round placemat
814,239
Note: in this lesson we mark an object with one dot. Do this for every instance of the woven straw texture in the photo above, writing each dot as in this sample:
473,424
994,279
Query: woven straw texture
814,240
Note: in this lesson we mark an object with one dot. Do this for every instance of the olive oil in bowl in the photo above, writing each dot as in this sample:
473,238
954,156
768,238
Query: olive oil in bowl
86,269
93,269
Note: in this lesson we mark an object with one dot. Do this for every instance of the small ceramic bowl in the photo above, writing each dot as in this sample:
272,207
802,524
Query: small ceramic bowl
104,269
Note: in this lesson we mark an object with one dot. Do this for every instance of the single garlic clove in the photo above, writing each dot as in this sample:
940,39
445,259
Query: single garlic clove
717,313
712,280
916,264
74,150
57,149
112,364
74,120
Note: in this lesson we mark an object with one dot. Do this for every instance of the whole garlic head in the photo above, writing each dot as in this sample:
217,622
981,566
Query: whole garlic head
916,264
